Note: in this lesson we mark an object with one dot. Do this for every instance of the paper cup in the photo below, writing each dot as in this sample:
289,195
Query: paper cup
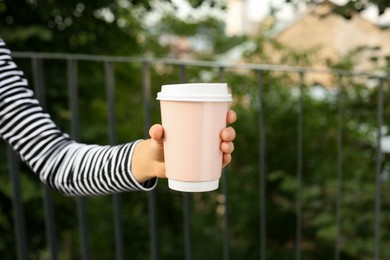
193,116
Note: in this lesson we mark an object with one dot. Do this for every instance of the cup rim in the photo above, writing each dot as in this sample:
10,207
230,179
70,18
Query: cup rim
210,92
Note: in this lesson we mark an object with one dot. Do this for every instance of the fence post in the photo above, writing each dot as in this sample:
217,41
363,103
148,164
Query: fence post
262,167
19,221
75,132
225,194
298,250
39,89
186,195
339,168
379,158
146,89
116,198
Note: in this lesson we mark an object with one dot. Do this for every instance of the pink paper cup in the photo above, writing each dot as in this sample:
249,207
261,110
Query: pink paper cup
193,116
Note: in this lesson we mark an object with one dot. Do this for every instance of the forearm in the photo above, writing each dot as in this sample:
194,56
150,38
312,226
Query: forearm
68,166
79,169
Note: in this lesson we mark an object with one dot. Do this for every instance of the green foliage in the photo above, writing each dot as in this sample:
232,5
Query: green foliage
99,27
90,32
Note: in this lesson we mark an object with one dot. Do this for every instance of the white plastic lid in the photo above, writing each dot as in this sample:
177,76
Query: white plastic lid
212,92
193,186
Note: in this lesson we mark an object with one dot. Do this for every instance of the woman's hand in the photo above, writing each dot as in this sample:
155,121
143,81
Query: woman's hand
227,136
148,157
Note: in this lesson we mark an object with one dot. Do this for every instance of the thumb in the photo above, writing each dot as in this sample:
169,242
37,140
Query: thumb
156,132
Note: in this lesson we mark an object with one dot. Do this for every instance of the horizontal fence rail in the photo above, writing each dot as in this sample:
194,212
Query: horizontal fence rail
155,237
211,64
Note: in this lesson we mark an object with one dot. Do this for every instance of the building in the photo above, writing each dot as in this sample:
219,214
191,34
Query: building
335,38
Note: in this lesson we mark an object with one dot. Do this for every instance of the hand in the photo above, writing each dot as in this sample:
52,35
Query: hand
227,136
148,157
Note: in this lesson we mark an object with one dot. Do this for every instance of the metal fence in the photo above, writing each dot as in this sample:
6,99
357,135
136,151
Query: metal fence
37,60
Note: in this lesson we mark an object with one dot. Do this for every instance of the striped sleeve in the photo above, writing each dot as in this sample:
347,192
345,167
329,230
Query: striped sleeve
70,167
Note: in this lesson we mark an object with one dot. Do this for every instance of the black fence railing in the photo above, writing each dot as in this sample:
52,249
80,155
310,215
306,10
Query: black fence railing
223,70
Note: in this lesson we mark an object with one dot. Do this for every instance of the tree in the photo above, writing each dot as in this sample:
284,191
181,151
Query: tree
320,124
71,26
99,27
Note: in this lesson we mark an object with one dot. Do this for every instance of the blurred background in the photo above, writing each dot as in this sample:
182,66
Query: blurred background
310,81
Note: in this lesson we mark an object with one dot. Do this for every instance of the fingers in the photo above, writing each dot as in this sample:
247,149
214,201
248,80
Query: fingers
231,117
227,147
227,158
228,134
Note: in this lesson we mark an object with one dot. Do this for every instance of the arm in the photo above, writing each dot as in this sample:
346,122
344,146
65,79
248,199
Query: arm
69,167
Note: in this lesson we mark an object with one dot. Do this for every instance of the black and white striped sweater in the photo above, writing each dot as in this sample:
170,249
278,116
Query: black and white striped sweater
67,166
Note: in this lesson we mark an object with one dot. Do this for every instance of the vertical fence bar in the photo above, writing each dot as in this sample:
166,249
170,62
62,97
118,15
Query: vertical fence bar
339,168
117,214
146,88
110,96
225,194
262,166
186,196
18,211
187,226
379,158
116,198
39,89
75,132
298,253
38,80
